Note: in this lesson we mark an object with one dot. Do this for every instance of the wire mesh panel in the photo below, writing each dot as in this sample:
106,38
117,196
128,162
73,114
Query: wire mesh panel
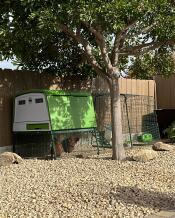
138,115
30,144
80,143
141,115
71,143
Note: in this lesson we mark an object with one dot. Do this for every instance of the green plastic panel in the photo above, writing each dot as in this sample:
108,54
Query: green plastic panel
34,126
71,112
145,137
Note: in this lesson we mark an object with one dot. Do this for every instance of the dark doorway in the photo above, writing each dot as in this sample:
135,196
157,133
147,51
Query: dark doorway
165,117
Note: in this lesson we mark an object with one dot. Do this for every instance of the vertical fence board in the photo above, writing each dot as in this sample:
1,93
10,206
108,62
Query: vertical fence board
165,89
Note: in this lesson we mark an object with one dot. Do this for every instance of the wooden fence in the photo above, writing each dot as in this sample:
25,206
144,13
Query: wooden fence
137,87
127,86
165,89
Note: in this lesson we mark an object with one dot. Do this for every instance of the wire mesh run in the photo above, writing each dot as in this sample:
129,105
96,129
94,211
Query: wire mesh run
138,115
66,143
80,143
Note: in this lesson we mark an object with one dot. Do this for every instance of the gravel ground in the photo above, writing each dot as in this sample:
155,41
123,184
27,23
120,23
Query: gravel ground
91,187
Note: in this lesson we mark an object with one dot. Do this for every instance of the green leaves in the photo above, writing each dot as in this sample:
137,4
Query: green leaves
156,63
170,131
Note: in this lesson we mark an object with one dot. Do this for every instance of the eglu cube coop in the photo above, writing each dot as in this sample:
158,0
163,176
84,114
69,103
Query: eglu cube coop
40,115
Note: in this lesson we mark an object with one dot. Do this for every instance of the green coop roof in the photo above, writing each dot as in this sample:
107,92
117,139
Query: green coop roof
56,92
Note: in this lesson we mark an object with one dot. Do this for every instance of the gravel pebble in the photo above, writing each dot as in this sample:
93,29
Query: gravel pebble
88,187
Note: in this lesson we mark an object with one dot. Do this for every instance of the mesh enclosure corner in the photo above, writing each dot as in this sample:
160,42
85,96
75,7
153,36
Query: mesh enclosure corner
32,144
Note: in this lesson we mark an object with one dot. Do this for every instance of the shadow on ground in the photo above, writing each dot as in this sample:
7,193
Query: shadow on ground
145,198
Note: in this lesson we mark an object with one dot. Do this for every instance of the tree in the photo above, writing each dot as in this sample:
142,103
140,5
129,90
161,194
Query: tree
107,33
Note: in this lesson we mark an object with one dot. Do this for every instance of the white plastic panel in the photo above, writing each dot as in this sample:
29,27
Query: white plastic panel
30,108
31,111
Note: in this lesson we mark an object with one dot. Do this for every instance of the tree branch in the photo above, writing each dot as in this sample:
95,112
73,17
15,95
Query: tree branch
148,28
121,38
118,42
99,71
88,49
102,45
147,46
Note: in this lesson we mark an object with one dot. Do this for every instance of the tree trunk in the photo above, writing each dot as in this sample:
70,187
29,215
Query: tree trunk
118,152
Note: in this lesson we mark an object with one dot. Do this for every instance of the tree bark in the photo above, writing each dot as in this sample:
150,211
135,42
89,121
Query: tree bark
118,152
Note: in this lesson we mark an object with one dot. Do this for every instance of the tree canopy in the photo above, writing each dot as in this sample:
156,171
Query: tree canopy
35,32
33,48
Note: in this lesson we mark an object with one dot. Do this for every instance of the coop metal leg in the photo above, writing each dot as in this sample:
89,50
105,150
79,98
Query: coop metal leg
52,147
98,150
14,143
14,149
129,126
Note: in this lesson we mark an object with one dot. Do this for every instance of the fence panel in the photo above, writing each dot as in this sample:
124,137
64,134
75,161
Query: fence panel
165,89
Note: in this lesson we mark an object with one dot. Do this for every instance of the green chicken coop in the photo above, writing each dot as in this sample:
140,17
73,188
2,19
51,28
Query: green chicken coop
40,114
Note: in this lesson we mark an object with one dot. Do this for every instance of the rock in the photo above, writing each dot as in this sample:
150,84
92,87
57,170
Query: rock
145,155
8,158
79,156
160,146
3,215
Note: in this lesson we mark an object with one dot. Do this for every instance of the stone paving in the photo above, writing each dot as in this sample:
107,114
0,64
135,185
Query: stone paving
163,214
